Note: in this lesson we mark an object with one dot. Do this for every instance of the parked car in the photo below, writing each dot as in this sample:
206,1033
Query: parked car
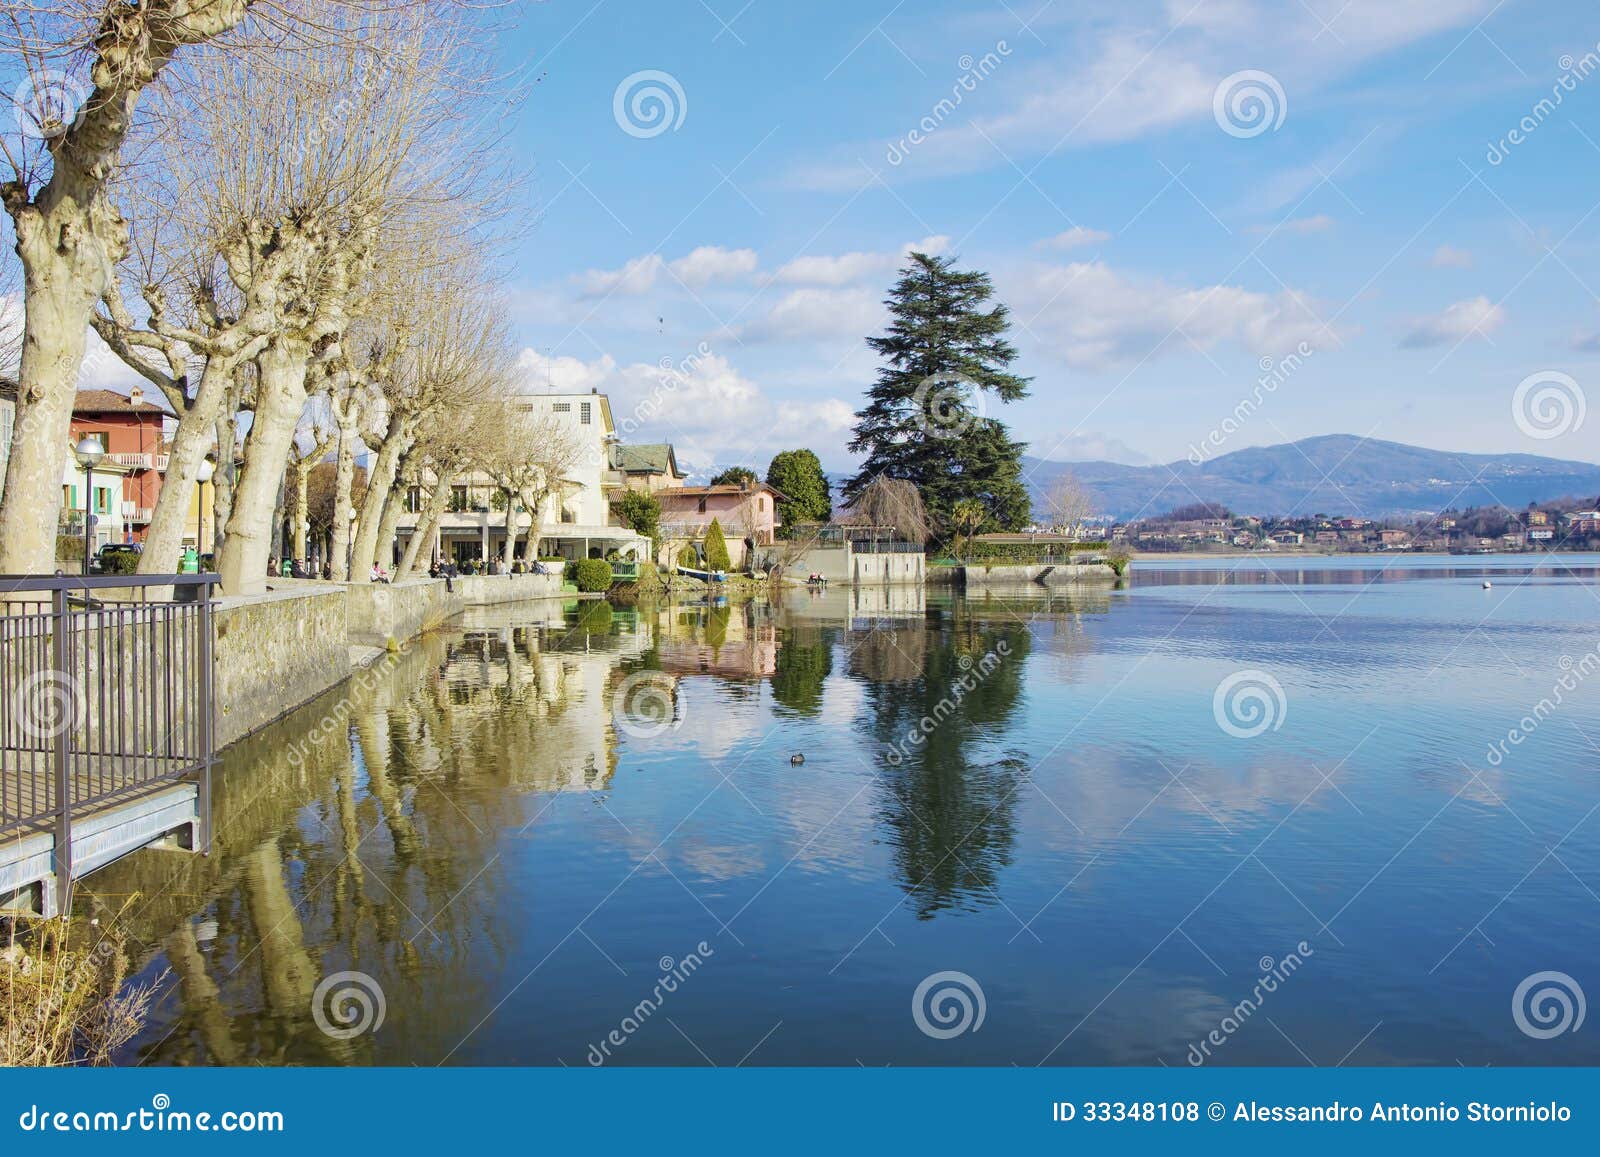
116,558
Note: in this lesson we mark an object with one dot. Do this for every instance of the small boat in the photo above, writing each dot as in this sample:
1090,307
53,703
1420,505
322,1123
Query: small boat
705,576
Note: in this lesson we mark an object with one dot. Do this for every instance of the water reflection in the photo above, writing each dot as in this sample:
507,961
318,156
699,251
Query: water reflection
1027,785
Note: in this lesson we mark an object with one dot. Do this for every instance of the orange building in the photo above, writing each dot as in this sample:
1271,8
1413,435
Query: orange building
133,432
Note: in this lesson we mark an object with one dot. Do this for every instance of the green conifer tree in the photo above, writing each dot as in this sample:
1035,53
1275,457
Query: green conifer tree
945,353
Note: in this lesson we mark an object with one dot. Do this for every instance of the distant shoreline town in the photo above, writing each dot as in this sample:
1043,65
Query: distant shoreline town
1561,525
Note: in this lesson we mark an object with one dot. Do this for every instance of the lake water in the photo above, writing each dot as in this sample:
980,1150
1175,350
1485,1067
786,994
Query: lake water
1027,829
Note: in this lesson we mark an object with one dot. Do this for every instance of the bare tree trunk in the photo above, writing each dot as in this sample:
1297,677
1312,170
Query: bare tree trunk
69,238
226,478
163,540
302,506
427,526
380,483
280,398
57,326
508,549
343,483
388,525
541,514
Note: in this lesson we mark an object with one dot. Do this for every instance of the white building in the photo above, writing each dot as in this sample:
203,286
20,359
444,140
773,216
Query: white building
580,525
112,512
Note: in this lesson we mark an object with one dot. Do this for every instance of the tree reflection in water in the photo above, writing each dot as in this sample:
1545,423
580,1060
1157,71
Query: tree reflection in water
949,794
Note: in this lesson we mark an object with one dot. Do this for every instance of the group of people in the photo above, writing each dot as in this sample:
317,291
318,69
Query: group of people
446,569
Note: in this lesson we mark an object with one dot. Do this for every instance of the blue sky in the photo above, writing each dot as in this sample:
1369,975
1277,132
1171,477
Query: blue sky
1156,252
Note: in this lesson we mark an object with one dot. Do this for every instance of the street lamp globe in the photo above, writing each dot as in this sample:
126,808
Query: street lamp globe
89,451
204,471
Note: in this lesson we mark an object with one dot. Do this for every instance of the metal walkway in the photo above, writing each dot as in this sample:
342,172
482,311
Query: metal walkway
106,727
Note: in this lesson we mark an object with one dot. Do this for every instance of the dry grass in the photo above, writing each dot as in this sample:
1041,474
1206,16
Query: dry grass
64,999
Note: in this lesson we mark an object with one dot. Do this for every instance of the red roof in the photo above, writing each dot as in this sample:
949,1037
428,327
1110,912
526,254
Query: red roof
111,402
707,491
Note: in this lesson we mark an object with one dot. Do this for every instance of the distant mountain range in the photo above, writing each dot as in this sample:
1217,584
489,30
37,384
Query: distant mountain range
1337,474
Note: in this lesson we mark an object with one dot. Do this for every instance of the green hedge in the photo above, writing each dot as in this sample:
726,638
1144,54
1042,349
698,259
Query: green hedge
593,574
1024,552
120,562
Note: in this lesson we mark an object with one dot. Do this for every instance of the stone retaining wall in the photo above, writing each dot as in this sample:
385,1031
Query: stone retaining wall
277,651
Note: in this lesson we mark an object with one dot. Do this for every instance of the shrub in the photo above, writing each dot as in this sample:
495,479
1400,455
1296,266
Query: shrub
717,548
67,1003
69,547
1117,559
119,562
689,557
593,574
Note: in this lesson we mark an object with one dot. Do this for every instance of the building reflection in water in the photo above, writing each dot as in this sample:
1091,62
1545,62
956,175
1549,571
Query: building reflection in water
367,832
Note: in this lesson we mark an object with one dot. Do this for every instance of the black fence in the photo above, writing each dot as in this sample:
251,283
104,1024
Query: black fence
105,695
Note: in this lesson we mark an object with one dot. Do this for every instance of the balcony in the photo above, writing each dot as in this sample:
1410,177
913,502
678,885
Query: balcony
130,461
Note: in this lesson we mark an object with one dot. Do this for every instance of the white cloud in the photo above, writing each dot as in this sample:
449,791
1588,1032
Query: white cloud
1121,72
1475,317
1448,257
711,263
1074,238
850,268
705,265
637,276
843,269
1095,317
816,314
711,412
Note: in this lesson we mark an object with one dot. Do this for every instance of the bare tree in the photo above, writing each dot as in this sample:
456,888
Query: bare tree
1068,503
893,504
88,66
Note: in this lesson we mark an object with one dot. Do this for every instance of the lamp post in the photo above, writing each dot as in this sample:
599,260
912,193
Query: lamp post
88,451
202,475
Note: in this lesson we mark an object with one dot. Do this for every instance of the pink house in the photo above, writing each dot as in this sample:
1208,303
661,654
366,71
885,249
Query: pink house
748,515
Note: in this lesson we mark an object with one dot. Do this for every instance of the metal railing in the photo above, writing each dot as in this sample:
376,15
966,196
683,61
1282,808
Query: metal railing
106,694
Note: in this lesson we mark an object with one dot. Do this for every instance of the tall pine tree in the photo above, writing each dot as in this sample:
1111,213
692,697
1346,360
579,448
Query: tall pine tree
945,351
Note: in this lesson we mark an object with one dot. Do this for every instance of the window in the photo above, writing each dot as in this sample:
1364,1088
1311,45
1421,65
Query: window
561,407
102,500
584,411
702,506
414,500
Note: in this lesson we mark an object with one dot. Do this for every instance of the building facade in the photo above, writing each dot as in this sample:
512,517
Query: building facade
747,514
579,522
133,433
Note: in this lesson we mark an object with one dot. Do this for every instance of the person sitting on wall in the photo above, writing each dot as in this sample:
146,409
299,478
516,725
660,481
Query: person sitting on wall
297,569
378,574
